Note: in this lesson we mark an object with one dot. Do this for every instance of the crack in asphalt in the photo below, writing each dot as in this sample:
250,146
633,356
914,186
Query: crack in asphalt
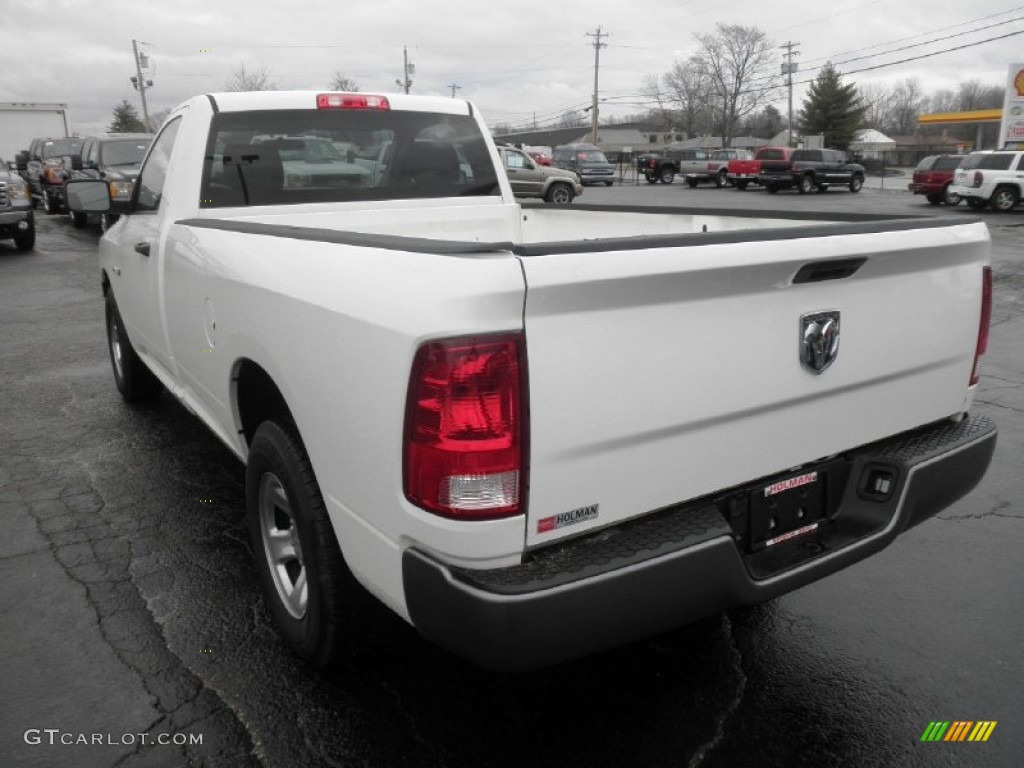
720,722
997,511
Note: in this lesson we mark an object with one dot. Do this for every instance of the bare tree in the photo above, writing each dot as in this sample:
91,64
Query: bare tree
156,119
689,86
340,82
571,118
878,107
973,95
741,67
908,101
256,80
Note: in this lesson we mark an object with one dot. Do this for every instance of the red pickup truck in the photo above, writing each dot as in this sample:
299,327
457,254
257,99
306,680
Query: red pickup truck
743,172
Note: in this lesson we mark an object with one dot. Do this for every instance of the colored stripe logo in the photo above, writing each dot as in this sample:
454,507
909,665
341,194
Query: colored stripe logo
958,730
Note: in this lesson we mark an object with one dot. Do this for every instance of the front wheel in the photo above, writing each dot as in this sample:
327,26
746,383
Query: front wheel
560,194
1004,199
134,380
804,185
26,241
721,179
667,176
856,183
951,198
307,583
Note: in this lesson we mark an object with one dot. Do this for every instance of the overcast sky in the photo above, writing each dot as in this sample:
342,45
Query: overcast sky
517,61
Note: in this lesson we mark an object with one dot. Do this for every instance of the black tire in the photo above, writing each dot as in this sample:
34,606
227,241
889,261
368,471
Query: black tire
26,241
856,183
721,178
48,207
772,188
804,184
308,586
560,194
950,198
1004,199
651,178
609,183
976,204
134,380
79,220
691,183
933,199
667,176
741,185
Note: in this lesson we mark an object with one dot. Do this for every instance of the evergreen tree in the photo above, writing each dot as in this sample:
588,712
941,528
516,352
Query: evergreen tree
832,108
126,120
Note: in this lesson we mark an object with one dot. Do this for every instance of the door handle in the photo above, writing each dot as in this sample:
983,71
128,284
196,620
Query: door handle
142,248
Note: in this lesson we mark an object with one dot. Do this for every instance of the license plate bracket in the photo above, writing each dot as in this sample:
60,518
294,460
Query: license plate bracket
788,507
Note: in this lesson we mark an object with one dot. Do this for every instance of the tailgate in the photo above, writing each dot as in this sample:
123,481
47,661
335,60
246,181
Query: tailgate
664,374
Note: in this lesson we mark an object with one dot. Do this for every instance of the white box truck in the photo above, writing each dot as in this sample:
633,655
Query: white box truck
20,122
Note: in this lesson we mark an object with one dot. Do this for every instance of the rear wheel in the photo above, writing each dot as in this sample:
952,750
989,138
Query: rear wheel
804,185
667,175
308,586
134,380
651,178
560,194
1004,199
856,183
950,198
721,178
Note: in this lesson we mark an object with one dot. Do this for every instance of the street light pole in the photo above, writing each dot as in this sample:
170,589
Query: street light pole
598,45
141,84
788,68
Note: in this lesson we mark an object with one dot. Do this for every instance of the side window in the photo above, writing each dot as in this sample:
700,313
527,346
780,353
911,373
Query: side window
515,160
154,172
1020,162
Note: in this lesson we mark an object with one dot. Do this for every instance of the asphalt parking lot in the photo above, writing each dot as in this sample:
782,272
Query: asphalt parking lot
132,610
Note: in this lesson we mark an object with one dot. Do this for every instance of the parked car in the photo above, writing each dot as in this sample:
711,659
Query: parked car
534,436
46,165
16,220
656,167
116,158
810,169
994,179
539,156
529,179
933,177
716,170
587,161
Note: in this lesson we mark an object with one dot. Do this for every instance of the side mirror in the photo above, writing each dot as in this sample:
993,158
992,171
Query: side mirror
76,162
87,195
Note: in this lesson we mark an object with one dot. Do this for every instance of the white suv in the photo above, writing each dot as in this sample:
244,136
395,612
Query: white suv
994,179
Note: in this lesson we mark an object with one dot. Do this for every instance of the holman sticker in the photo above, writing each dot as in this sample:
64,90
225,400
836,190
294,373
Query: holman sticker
581,515
793,482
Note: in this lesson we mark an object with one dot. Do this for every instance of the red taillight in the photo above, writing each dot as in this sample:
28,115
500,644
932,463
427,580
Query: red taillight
986,317
465,430
979,177
351,101
54,175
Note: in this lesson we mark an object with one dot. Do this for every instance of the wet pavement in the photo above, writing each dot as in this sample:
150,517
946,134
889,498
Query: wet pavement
132,611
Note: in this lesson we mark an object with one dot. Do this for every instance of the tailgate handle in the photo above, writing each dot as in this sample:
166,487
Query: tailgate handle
142,248
819,271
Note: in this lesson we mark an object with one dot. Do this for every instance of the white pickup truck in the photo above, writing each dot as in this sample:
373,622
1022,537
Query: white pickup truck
534,433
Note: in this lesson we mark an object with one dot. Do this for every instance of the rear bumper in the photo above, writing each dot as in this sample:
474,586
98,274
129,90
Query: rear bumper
926,189
681,564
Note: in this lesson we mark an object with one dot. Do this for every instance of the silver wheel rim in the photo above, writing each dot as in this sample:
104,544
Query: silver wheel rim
1004,200
116,348
560,195
281,546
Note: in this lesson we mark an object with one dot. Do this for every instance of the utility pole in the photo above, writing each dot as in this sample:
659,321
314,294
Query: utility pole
454,88
788,68
408,69
598,45
140,82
